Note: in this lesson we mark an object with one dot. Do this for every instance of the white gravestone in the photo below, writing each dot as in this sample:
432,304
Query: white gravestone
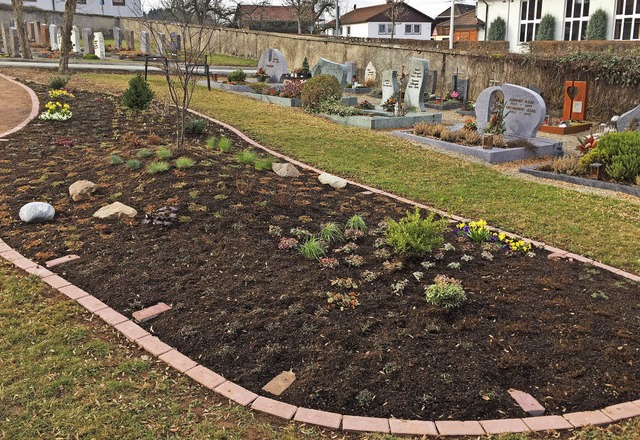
389,85
351,71
75,39
524,110
98,45
4,38
370,75
53,37
144,42
417,84
117,38
625,119
87,43
274,64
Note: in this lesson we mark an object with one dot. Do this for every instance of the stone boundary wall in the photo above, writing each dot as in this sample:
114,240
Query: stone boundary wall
569,47
478,65
98,23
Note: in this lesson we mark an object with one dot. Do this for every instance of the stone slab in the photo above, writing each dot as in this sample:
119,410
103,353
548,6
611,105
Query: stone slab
39,271
326,67
389,85
622,411
280,383
56,281
417,84
385,122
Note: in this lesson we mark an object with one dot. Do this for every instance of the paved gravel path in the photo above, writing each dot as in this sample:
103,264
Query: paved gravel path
15,104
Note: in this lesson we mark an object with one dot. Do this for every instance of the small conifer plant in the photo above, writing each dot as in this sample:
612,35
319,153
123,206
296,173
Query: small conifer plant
138,96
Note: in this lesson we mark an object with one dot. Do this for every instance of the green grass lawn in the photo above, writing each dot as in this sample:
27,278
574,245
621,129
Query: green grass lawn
603,228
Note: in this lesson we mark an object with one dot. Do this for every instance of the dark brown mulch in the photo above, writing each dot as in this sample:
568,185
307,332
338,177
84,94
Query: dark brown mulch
563,331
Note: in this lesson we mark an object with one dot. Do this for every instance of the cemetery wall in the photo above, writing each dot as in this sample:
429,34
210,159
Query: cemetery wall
570,47
604,100
97,23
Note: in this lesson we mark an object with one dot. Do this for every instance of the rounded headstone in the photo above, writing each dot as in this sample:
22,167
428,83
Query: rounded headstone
37,212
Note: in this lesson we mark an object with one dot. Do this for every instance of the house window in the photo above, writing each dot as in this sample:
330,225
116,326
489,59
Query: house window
627,24
530,16
576,19
118,2
412,29
348,31
384,28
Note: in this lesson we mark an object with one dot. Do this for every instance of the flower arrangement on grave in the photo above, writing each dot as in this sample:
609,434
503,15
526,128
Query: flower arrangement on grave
261,75
56,111
365,105
390,104
496,123
292,89
470,124
453,95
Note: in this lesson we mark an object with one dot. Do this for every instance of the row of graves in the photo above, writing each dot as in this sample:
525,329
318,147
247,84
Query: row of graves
85,42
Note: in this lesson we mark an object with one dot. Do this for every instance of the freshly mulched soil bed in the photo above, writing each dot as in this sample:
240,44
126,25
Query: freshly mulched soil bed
563,331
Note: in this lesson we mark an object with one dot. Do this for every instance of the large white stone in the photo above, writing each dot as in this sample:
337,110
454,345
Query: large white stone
285,169
37,212
115,210
334,181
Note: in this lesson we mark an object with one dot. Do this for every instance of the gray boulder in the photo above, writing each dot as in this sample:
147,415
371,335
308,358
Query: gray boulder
285,169
37,212
115,210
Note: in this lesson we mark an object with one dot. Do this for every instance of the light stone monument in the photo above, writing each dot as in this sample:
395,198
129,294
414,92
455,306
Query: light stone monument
417,84
390,85
14,44
370,75
75,39
274,64
98,45
144,42
326,67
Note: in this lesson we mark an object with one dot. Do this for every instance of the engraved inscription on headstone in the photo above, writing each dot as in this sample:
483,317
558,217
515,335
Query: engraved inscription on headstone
98,45
370,75
389,85
272,61
418,76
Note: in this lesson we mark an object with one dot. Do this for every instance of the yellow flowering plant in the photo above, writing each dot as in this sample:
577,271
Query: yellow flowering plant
56,111
478,232
59,94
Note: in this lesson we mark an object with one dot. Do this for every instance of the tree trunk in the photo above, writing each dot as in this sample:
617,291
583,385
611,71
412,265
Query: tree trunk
65,44
299,25
25,50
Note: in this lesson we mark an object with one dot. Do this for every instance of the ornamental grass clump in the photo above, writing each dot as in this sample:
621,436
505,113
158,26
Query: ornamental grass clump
163,153
357,222
312,249
331,233
247,157
157,167
446,292
224,144
414,235
184,163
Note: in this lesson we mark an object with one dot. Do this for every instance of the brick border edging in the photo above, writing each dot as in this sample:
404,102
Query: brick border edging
347,423
35,106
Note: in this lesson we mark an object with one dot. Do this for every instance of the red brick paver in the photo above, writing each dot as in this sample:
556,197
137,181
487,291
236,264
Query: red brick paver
585,418
412,427
91,303
131,330
73,292
150,312
58,261
450,427
547,423
111,317
527,402
39,271
622,411
153,345
178,361
502,426
205,377
56,282
274,407
236,393
320,418
364,424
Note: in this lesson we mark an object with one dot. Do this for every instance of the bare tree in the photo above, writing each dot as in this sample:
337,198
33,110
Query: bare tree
65,34
396,12
22,30
302,9
181,64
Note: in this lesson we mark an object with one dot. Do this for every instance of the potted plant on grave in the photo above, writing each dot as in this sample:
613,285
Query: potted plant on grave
261,75
564,126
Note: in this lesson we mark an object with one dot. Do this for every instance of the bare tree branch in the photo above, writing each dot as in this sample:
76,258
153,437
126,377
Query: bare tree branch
21,28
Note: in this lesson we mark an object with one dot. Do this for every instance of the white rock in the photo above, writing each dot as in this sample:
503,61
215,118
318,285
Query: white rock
81,190
334,181
37,212
285,169
115,210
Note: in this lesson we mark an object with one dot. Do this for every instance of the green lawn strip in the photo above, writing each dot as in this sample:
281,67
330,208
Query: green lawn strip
66,377
602,228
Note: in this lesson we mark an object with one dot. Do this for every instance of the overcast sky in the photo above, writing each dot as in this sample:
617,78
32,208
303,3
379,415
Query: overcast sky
430,7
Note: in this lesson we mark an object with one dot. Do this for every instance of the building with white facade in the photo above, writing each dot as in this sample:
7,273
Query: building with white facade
108,8
523,18
381,21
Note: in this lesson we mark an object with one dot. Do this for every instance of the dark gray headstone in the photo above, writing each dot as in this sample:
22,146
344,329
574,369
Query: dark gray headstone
130,37
390,85
176,42
625,119
351,71
454,82
117,38
14,44
524,110
31,29
433,82
417,84
536,89
274,64
463,89
144,42
87,41
326,67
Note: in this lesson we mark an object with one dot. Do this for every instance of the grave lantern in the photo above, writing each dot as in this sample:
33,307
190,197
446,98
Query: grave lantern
596,170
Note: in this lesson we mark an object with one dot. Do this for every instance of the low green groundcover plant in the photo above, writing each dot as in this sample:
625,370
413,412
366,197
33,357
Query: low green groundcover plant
446,292
319,89
620,154
414,235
